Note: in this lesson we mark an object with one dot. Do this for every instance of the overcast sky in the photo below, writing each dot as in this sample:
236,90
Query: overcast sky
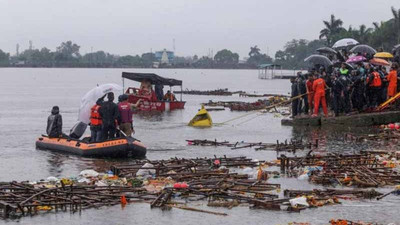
137,26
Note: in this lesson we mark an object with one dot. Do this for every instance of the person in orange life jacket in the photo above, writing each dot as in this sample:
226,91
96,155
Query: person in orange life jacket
125,115
319,96
374,82
54,123
109,114
392,79
169,97
310,92
95,121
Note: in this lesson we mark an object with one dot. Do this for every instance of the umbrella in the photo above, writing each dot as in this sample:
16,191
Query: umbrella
356,59
345,42
385,55
379,62
339,64
326,50
318,60
91,97
363,49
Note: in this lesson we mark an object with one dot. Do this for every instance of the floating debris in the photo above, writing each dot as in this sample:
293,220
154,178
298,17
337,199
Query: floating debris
367,169
291,146
220,92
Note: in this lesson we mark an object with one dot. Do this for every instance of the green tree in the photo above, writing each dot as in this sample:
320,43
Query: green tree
396,23
256,58
226,57
295,51
254,51
130,61
4,58
67,54
148,59
204,62
332,27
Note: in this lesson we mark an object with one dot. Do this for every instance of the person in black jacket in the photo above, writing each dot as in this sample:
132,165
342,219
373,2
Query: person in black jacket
302,89
337,94
295,92
54,123
109,114
357,90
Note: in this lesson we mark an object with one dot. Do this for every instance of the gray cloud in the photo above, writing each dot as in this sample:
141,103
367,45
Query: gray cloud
134,27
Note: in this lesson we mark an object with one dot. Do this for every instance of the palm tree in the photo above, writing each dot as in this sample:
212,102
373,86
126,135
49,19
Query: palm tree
254,51
396,20
364,33
332,27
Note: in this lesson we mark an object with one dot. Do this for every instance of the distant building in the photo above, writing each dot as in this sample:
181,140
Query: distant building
165,56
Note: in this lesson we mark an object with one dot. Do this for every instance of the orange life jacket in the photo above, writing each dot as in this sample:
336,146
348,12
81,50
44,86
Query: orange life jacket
376,82
95,118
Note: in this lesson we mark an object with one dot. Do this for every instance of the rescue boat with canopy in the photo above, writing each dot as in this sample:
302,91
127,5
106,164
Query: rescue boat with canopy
150,101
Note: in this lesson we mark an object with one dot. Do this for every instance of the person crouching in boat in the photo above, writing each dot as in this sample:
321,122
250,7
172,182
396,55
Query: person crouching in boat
54,123
109,114
96,121
125,115
169,97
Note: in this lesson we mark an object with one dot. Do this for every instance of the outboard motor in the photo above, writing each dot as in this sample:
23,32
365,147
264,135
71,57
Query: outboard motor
78,130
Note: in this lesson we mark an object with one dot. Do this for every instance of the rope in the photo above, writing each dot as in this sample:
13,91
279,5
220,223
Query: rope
267,107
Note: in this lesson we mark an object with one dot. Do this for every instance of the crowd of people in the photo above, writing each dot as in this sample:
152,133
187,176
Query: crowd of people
343,90
108,120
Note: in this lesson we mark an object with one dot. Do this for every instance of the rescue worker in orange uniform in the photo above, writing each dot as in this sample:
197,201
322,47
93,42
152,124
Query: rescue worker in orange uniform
310,92
95,121
374,81
319,96
392,79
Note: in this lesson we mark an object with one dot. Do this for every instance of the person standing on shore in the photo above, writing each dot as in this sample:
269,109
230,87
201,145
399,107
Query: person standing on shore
295,93
392,79
303,101
319,96
310,92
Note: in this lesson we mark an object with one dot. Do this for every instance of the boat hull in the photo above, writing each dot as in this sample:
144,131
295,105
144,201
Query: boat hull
148,104
117,148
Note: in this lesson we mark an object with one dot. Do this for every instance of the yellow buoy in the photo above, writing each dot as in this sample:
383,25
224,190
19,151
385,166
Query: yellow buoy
201,119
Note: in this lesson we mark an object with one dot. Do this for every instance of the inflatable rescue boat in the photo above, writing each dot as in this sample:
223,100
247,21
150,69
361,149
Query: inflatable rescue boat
120,147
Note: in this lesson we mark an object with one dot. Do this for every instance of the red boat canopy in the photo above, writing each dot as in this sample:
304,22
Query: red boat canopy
152,78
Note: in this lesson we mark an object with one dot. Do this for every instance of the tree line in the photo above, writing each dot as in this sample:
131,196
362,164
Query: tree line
68,55
383,36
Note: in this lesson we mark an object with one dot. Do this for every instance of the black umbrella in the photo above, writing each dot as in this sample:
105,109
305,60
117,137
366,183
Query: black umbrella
318,60
363,49
339,64
326,50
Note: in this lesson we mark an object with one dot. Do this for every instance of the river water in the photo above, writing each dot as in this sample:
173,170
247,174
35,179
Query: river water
27,95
